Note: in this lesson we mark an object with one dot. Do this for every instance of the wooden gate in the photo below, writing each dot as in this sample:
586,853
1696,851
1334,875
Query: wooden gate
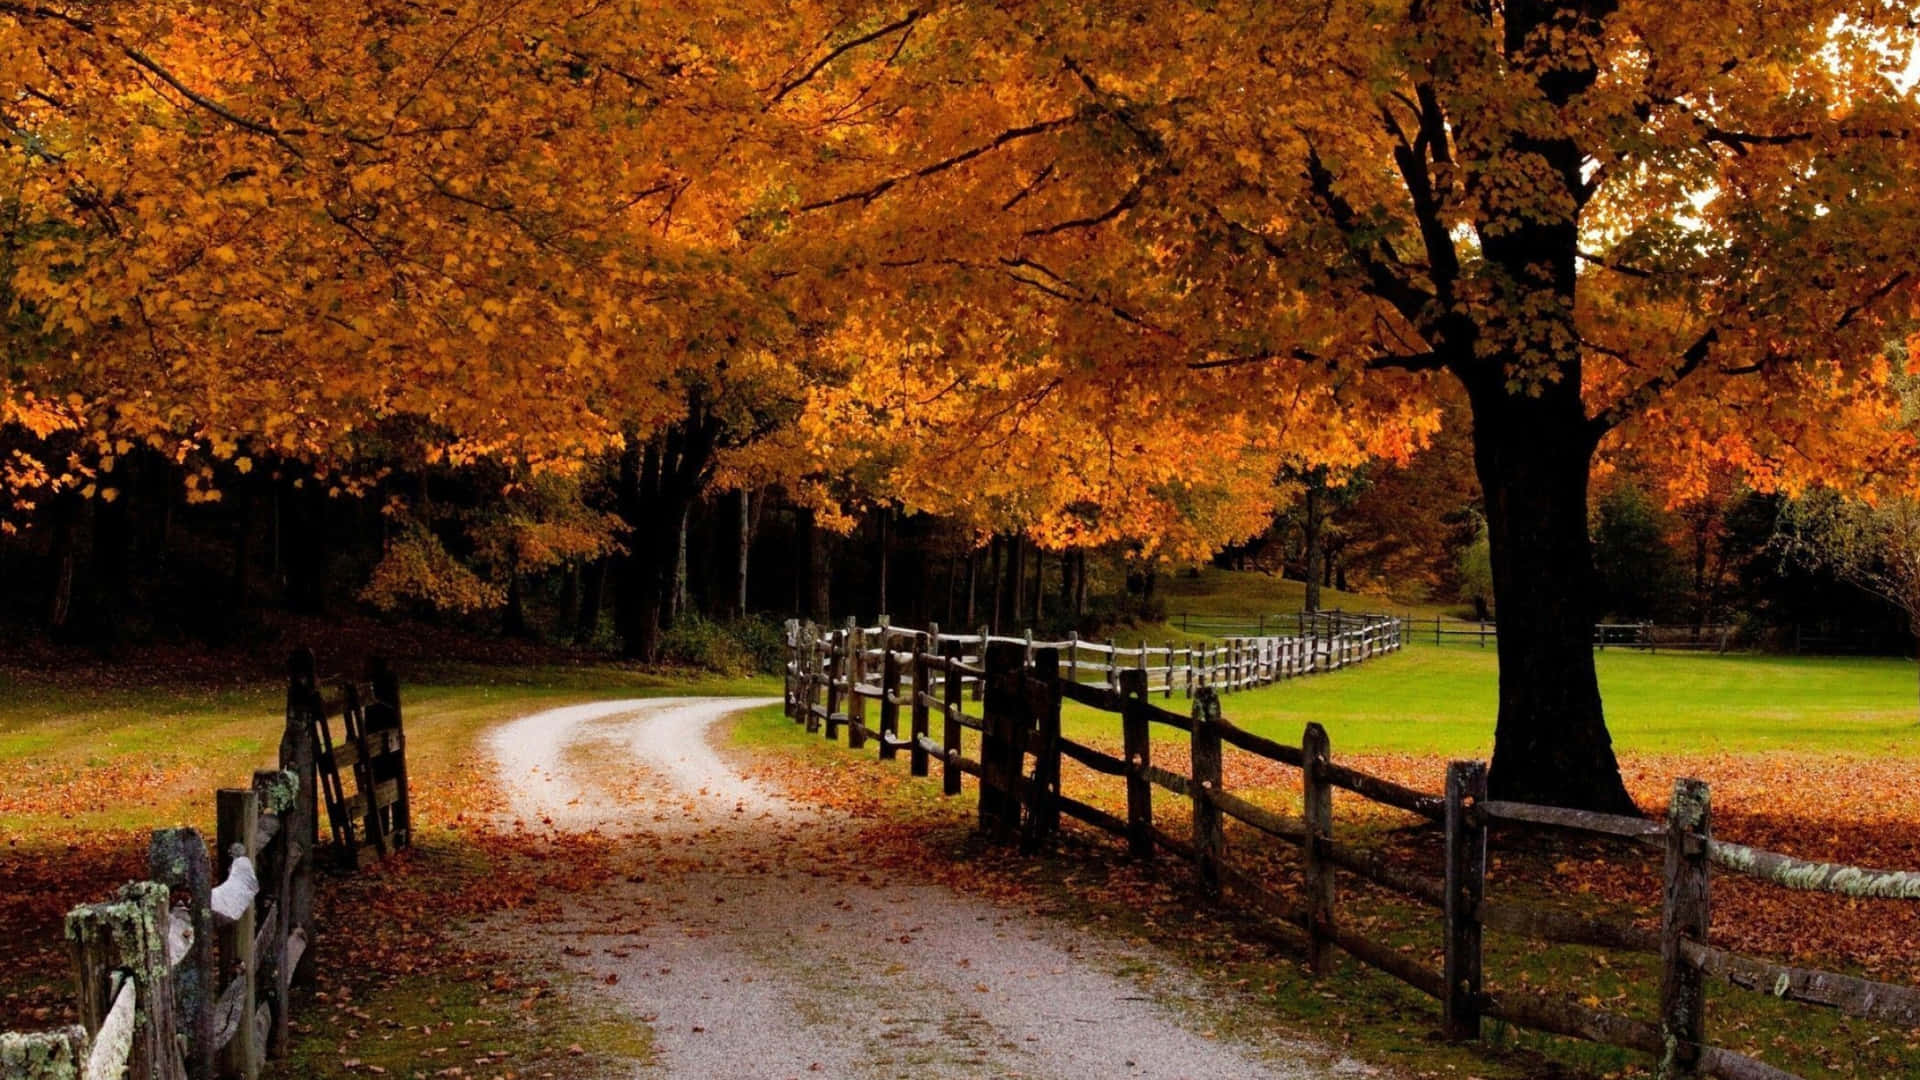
363,775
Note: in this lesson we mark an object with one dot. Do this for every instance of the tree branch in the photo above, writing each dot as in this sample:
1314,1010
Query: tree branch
1011,135
905,22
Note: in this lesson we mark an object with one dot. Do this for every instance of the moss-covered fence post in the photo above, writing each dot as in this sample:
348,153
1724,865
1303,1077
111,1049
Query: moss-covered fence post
177,858
126,939
1683,999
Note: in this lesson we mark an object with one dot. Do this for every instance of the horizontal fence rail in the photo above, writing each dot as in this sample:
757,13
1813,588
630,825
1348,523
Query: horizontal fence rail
1019,686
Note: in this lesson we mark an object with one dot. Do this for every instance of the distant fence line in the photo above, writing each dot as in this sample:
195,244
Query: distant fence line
1319,642
1019,721
1644,636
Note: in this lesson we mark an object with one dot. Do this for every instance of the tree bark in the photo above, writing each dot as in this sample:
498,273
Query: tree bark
1533,455
973,585
679,605
819,571
659,481
886,553
746,549
593,591
1313,529
1039,586
61,555
993,581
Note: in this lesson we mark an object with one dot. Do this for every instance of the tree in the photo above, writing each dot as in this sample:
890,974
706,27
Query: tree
1614,223
1872,546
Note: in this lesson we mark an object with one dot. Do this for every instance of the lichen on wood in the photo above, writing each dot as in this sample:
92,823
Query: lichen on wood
1810,876
43,1055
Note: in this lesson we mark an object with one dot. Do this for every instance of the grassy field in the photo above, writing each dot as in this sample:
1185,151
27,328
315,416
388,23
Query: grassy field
83,760
1441,701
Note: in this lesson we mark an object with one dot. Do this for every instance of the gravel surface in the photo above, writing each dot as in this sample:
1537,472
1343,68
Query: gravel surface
755,950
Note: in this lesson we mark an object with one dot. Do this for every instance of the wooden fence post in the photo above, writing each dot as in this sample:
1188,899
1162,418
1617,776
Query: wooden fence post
1042,685
1466,880
177,858
1209,835
126,937
836,672
298,750
922,683
1138,748
856,677
237,817
276,878
953,692
1316,753
1684,917
1002,716
889,701
980,685
809,654
793,668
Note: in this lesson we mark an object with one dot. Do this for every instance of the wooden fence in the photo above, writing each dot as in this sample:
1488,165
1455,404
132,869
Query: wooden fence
1322,641
179,977
1020,798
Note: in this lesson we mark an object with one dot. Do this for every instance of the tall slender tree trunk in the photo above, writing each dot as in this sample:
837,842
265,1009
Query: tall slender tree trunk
1313,525
1533,455
1016,586
1039,586
819,571
745,551
593,593
994,582
886,558
1080,584
973,586
679,606
61,558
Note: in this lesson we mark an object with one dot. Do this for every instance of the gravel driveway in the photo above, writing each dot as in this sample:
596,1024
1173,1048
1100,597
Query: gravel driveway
756,951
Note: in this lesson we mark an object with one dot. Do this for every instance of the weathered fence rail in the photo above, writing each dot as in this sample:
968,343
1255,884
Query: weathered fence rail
1021,685
191,974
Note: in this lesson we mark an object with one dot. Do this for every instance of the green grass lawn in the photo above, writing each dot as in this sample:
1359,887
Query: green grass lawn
1441,701
90,759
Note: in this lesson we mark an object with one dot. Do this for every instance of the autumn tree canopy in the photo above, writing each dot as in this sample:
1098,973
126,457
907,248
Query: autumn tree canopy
1086,270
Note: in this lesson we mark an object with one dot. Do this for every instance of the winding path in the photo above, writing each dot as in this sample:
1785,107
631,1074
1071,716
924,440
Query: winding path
755,953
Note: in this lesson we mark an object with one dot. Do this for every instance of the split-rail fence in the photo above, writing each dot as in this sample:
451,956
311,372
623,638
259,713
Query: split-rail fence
1022,685
182,978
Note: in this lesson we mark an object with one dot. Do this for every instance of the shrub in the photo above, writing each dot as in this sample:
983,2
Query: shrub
764,639
698,642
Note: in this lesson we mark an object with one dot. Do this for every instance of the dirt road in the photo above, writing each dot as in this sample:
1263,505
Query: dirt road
754,953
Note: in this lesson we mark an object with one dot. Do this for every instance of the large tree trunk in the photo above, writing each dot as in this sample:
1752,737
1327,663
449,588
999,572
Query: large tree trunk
1533,454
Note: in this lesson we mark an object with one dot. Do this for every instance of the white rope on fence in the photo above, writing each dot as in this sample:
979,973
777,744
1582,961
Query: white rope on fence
179,935
113,1043
235,895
